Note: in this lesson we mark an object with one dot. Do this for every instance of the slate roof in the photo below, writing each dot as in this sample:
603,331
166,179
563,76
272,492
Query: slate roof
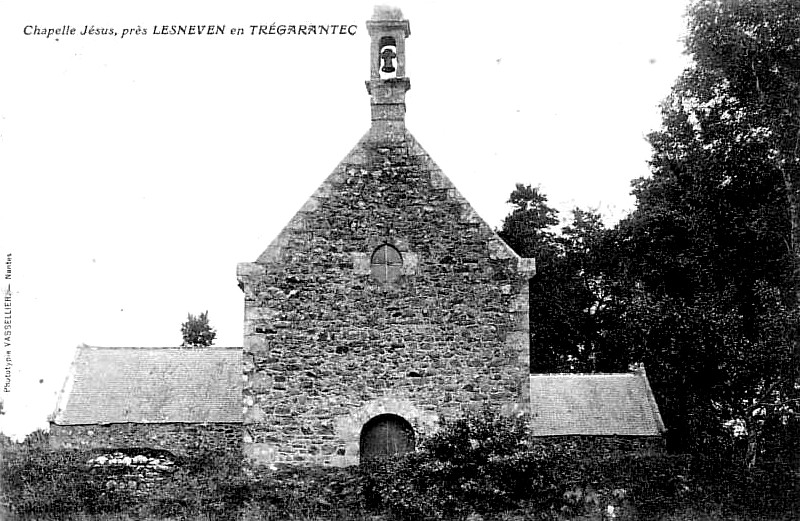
152,385
593,405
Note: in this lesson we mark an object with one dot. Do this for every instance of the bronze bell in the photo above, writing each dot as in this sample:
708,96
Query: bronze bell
387,55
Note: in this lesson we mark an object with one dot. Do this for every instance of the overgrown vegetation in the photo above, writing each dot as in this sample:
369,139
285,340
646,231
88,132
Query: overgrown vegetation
480,466
479,463
485,466
701,282
42,484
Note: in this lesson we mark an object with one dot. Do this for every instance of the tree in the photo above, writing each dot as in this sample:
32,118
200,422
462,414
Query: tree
702,281
708,261
197,332
527,229
566,294
754,50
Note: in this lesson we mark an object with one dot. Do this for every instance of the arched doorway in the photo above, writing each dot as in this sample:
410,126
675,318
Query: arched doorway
386,435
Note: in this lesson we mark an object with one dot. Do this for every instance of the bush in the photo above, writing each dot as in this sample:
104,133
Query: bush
211,484
641,485
766,489
485,463
52,484
308,493
480,463
38,483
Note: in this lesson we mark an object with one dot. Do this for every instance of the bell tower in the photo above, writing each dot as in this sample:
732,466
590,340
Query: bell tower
384,304
388,84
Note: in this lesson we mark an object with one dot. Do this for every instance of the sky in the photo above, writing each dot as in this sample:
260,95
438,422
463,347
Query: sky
136,172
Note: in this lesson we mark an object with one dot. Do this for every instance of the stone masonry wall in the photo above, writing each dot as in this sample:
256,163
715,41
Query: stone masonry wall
327,347
178,438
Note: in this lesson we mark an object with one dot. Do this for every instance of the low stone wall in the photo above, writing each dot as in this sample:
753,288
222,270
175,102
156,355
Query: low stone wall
136,475
182,439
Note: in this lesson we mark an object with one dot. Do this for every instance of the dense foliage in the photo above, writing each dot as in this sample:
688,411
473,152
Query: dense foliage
708,255
197,332
480,466
569,295
37,483
478,463
701,283
484,464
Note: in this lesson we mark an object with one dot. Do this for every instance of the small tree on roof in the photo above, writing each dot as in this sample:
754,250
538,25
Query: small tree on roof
197,332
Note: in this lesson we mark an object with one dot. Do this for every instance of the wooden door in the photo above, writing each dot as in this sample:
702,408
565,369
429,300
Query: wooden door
386,435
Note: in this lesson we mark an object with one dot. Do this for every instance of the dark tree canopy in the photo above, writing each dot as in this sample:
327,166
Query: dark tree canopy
712,247
197,332
527,228
701,282
566,295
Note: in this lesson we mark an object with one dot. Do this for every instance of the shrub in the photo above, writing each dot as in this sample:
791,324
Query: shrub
481,462
643,485
211,484
52,484
769,487
37,483
485,463
308,492
40,483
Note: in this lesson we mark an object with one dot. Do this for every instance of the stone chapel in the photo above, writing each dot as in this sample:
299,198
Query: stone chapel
385,304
